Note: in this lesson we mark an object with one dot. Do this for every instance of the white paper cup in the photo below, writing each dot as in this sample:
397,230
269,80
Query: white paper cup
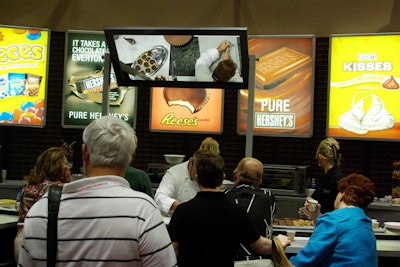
312,204
291,234
375,224
3,176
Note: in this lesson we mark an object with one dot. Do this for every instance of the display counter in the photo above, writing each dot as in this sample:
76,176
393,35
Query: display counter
8,230
384,211
8,221
385,248
9,189
387,245
288,206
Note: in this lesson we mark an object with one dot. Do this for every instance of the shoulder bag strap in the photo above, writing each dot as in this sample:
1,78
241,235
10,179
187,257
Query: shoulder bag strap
54,196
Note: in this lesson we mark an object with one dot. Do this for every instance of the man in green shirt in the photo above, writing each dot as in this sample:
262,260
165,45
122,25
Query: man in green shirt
138,180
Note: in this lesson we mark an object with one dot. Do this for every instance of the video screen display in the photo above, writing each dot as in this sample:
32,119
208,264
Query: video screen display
364,91
189,110
83,83
179,57
284,86
23,76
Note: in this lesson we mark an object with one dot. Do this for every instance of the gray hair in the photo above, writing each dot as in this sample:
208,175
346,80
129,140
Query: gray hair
110,141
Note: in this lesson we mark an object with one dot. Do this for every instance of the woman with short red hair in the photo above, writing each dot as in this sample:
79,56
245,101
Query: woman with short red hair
343,237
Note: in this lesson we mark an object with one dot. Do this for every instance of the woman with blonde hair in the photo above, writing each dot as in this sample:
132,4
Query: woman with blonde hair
329,159
211,144
51,167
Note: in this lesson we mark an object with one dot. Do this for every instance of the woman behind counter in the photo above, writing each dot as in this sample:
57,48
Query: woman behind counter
51,167
329,159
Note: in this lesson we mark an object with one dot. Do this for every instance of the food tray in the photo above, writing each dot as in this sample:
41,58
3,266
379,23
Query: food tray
151,61
291,227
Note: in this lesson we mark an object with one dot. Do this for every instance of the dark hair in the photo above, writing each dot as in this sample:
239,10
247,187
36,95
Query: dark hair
358,190
49,165
210,169
224,71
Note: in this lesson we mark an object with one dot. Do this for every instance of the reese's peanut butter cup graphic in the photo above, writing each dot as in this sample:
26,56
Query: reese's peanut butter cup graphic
192,98
368,113
178,40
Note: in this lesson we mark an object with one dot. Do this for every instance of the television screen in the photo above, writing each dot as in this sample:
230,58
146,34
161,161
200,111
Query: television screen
284,86
179,57
190,110
364,91
23,75
83,83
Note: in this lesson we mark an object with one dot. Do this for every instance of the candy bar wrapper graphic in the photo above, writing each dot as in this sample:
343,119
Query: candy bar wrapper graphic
89,86
92,83
276,67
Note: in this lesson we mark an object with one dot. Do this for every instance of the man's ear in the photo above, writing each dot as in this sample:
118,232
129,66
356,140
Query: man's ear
235,176
85,154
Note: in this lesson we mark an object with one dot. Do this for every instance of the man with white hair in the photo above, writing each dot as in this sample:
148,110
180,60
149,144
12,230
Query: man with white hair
101,221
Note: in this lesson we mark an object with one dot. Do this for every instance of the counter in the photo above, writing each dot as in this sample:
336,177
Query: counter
8,230
9,189
385,248
8,221
288,206
376,205
384,211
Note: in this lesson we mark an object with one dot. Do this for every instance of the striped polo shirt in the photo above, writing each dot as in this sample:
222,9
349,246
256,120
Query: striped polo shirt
101,222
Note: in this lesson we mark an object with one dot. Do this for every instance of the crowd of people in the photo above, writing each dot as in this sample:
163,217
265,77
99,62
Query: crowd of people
112,217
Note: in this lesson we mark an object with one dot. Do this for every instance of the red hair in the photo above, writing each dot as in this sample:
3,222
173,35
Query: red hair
358,190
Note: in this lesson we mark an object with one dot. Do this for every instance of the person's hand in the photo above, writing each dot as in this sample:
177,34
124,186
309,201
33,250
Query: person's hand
226,55
174,205
285,240
313,214
223,46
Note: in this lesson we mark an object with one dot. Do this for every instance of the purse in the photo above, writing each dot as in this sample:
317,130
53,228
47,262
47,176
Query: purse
54,197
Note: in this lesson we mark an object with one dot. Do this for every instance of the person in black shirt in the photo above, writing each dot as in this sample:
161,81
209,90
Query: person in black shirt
329,159
258,203
207,230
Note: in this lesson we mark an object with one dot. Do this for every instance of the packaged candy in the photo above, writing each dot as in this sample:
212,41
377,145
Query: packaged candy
32,84
16,83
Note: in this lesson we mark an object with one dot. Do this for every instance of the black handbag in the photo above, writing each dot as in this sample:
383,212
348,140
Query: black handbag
54,196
